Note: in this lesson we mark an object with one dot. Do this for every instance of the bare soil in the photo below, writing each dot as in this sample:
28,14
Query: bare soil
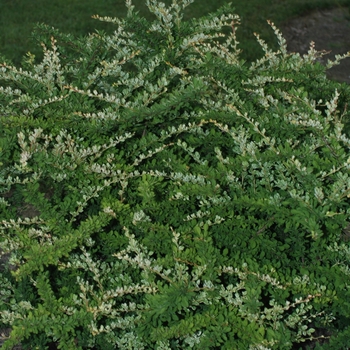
330,30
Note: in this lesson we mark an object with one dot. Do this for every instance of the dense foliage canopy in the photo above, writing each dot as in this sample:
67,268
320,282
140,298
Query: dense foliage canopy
157,192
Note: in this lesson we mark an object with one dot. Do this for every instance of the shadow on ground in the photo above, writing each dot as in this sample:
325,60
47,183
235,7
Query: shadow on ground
330,30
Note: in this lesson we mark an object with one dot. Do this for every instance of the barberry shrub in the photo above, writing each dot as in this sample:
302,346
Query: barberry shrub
157,192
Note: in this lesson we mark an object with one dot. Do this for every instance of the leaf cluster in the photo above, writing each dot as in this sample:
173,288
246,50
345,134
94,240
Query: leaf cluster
158,193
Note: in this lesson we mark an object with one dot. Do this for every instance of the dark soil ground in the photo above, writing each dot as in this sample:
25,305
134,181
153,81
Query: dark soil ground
330,30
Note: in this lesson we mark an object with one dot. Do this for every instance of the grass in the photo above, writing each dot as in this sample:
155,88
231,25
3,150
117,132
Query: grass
18,17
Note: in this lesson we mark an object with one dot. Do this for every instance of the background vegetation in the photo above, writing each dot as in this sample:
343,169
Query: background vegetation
18,18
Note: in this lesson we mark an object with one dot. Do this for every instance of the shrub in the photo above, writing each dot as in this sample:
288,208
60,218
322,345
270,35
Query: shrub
157,192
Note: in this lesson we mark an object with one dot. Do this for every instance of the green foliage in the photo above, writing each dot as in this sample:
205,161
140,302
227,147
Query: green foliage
75,17
158,193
